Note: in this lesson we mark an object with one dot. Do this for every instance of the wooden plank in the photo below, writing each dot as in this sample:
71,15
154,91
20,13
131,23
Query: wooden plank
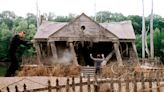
127,49
81,86
49,86
158,82
150,85
109,56
117,52
67,85
54,50
142,81
135,50
96,85
89,84
135,83
36,45
57,85
73,84
93,39
24,87
16,89
111,85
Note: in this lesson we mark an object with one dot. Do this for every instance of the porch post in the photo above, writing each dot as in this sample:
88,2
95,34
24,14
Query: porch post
127,49
54,50
135,50
117,52
38,53
73,53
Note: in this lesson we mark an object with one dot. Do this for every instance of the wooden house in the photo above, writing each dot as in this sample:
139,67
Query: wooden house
75,40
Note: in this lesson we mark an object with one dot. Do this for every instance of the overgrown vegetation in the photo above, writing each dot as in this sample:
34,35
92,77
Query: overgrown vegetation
54,70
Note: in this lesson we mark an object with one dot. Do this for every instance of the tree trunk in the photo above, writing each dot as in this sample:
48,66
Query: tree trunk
143,32
151,34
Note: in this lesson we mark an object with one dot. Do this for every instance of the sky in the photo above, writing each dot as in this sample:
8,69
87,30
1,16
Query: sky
65,7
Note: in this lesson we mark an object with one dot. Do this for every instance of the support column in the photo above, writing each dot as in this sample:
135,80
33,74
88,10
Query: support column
127,49
54,50
73,53
135,50
117,52
38,53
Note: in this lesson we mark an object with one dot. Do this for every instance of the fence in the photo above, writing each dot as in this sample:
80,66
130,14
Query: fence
95,84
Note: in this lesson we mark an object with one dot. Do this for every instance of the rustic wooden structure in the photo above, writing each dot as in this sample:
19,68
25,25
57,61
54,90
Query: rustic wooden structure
136,83
82,36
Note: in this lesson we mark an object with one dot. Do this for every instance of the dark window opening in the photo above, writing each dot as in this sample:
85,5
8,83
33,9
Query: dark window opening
82,27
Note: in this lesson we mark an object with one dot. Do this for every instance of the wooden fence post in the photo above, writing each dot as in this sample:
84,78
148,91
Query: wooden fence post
119,85
8,90
96,86
150,84
73,84
67,86
142,81
24,87
127,84
88,83
49,86
158,82
81,85
16,88
135,83
111,85
57,85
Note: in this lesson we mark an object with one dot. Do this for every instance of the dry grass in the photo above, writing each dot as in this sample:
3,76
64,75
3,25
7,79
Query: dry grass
55,70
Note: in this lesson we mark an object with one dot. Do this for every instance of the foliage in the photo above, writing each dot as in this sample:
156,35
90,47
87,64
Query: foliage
158,43
11,24
5,36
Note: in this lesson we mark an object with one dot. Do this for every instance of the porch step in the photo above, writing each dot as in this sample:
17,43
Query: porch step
88,70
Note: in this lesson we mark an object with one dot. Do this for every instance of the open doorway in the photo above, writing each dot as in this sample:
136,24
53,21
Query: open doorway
83,50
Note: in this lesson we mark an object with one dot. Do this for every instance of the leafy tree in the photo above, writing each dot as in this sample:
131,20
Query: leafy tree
5,36
64,18
7,17
103,16
136,22
31,19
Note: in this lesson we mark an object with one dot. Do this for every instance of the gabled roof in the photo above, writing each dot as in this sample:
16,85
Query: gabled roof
75,27
123,30
47,28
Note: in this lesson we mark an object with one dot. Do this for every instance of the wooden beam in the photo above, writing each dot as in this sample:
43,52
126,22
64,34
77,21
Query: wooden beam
109,56
73,53
117,52
38,52
94,39
135,50
54,50
127,49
